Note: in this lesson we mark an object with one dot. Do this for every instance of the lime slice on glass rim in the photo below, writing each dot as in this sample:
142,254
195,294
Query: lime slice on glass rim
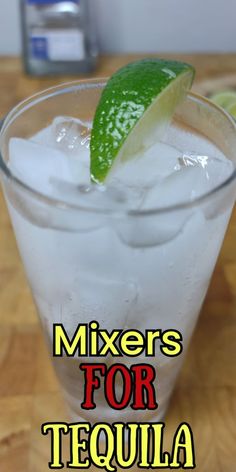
136,105
227,100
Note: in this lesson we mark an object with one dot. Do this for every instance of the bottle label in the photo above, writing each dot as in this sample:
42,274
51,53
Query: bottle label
57,45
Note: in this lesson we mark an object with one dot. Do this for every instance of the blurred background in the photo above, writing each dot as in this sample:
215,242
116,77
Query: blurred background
144,25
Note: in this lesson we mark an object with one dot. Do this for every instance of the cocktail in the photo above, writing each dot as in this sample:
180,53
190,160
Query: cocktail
132,248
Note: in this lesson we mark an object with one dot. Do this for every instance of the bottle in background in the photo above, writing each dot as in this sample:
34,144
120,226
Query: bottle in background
59,36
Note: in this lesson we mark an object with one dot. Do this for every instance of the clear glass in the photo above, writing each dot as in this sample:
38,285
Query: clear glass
114,266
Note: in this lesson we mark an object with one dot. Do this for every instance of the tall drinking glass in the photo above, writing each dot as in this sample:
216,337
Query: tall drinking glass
140,269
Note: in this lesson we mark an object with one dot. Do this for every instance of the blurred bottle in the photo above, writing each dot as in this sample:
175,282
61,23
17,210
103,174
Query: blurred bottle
59,36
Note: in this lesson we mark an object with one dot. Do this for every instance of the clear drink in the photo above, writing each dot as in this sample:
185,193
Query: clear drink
138,253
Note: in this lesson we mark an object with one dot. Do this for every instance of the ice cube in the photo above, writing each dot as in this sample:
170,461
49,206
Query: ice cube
195,176
43,137
102,197
151,230
71,134
190,160
72,137
179,187
145,168
217,171
35,165
191,142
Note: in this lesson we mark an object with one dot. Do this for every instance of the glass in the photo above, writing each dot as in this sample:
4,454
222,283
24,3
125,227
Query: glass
115,266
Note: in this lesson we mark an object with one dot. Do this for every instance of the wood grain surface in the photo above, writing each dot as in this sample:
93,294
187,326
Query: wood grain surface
205,395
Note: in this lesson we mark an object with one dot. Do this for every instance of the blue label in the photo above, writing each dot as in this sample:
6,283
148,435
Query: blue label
39,47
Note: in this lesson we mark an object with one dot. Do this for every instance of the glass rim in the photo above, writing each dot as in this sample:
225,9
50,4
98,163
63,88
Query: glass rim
94,83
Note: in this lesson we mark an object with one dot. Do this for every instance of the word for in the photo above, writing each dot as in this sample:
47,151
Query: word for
137,384
88,338
124,446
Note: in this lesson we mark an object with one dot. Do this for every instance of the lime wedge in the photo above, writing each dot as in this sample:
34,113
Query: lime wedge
232,109
224,99
135,107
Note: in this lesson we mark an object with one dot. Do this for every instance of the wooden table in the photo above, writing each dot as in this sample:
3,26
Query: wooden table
205,395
